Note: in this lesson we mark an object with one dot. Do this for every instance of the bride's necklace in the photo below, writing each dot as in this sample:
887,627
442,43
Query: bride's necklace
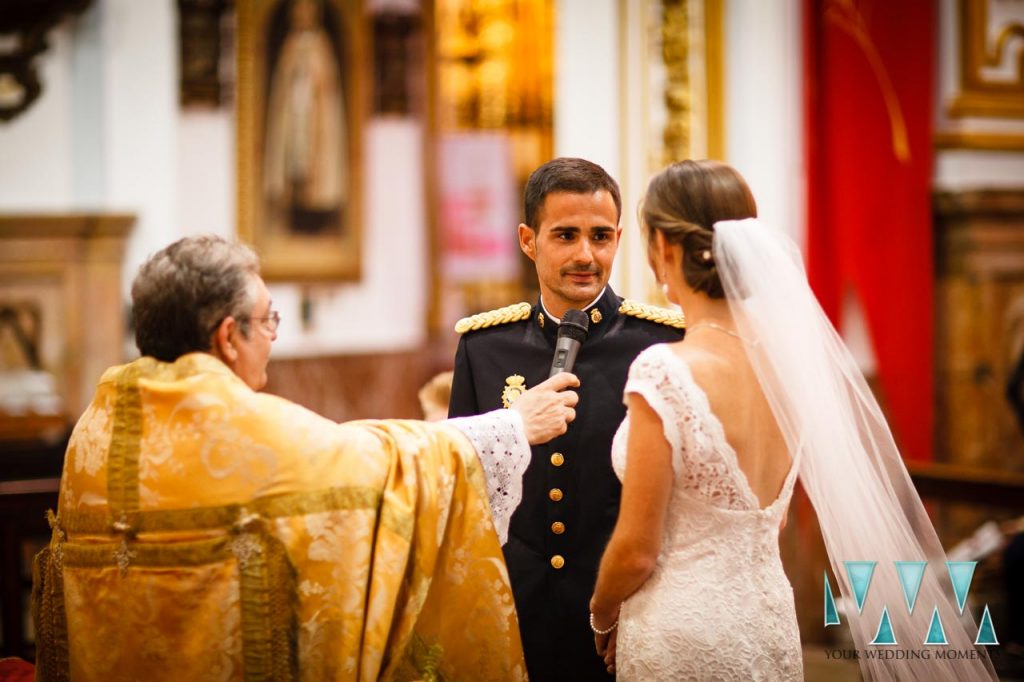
720,328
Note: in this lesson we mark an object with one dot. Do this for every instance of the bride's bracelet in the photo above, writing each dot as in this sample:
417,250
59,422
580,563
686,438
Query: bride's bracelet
603,632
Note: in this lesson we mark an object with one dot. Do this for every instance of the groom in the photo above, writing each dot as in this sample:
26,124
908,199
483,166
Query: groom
570,493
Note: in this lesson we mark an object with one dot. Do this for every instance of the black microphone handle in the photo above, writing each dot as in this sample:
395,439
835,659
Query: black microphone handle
566,350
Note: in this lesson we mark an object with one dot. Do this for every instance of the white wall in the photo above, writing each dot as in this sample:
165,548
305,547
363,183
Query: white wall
140,132
35,148
586,81
205,172
764,117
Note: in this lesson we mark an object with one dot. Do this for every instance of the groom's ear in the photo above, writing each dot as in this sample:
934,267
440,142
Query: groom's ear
528,241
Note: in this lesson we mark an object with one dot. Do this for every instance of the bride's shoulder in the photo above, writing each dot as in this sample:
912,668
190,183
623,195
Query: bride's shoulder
659,360
696,363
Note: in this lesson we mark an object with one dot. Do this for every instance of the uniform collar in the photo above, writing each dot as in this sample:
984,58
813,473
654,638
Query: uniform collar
586,309
601,312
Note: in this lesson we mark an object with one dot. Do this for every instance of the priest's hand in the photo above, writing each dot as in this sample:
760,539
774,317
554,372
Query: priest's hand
548,407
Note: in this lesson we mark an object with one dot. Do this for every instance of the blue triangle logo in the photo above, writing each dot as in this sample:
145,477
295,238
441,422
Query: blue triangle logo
884,636
961,573
859,573
986,631
936,633
911,573
831,615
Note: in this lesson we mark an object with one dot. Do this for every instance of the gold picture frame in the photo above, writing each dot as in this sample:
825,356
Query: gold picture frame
301,108
982,94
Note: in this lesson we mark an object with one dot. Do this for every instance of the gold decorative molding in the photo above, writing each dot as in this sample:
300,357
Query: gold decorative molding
675,51
680,95
714,59
692,37
980,94
983,141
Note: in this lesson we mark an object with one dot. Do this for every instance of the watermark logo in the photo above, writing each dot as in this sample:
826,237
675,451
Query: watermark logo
910,574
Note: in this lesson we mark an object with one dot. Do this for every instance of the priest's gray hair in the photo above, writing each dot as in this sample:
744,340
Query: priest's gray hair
184,291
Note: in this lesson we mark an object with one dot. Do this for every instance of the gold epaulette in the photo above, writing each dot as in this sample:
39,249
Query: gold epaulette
492,318
669,318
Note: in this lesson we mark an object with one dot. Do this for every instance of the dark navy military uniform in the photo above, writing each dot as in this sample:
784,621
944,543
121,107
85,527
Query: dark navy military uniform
570,492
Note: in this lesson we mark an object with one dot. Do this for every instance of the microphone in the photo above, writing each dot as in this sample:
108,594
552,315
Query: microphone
572,332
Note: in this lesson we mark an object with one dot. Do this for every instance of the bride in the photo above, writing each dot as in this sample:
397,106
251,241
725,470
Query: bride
719,427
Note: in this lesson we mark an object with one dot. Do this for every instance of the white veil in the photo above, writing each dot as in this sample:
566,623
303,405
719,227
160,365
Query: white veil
848,462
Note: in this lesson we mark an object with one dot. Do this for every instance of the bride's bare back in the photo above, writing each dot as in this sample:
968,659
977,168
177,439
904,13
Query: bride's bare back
720,367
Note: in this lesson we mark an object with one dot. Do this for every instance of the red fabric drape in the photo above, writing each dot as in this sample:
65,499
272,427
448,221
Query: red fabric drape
868,71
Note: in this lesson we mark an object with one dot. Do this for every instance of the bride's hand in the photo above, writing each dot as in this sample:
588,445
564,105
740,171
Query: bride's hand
609,650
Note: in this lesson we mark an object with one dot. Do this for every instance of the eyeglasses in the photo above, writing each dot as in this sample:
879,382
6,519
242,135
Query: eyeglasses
270,322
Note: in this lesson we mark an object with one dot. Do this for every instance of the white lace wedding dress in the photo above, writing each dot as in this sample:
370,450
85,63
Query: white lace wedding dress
718,605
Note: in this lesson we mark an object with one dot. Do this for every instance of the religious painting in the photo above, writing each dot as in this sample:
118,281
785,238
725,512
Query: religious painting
300,111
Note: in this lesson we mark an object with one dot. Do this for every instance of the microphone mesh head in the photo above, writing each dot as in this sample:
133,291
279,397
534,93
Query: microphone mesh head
575,324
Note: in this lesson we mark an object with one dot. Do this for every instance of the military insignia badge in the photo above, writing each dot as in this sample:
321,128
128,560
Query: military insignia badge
515,386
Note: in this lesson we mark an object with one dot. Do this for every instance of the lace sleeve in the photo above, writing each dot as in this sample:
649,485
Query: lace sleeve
500,443
650,379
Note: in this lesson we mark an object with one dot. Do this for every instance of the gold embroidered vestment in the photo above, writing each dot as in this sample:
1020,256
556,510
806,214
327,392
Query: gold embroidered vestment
209,532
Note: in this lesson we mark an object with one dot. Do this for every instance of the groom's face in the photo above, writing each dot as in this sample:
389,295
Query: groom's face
573,246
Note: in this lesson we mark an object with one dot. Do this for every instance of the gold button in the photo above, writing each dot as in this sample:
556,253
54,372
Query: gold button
557,459
555,494
557,561
557,527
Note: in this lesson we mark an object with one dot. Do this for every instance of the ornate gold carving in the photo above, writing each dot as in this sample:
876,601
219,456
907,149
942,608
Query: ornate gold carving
515,386
643,311
848,18
675,51
681,100
982,95
496,63
510,313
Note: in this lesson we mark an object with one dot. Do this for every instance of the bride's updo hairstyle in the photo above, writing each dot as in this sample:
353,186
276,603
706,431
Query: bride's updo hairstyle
683,202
